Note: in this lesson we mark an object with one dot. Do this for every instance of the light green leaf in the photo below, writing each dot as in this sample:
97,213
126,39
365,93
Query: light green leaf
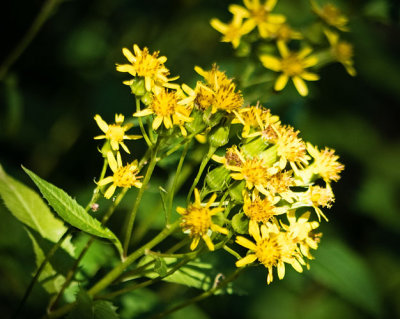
70,211
340,269
30,209
49,278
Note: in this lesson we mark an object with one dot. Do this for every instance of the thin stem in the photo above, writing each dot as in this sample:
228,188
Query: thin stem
71,273
154,253
113,274
96,193
135,208
203,164
142,129
174,183
147,282
232,252
47,9
202,296
40,269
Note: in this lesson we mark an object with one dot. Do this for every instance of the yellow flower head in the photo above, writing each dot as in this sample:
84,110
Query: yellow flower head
233,31
219,91
124,176
149,66
342,51
231,158
166,109
272,248
261,210
259,14
197,220
115,133
283,32
254,119
301,232
325,163
290,148
255,171
331,15
292,65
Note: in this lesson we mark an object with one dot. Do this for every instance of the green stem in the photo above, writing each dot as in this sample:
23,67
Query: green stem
132,215
40,269
113,274
174,183
142,129
203,164
148,282
47,9
232,252
96,192
202,296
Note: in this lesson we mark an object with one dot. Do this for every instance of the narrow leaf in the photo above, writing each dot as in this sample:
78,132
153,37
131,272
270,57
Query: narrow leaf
70,211
30,209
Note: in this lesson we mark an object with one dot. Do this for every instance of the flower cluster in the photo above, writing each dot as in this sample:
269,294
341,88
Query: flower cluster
273,33
260,171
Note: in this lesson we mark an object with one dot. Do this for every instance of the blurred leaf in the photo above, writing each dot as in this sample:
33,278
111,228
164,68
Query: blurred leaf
160,267
342,270
86,308
138,302
29,208
49,279
69,210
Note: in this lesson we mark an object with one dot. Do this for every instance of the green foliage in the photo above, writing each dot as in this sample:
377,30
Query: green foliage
29,208
70,211
86,308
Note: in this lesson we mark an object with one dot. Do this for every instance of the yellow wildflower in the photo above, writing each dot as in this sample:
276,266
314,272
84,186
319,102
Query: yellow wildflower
261,210
259,15
255,171
115,133
301,231
166,109
214,78
197,220
292,65
233,31
226,99
331,15
254,119
231,157
325,163
272,248
342,51
149,66
124,176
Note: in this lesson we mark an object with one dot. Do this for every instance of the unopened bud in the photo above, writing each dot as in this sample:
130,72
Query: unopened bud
217,178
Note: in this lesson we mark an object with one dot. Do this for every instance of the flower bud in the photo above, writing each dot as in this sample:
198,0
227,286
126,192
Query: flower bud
219,136
197,125
147,98
211,119
236,191
137,87
217,178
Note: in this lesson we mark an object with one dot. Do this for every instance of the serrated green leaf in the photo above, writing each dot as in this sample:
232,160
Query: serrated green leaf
104,310
30,209
70,211
340,269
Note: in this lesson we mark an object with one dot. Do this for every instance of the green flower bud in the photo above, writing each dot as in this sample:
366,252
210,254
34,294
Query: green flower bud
137,87
240,223
236,191
217,178
219,136
254,147
147,98
212,119
197,125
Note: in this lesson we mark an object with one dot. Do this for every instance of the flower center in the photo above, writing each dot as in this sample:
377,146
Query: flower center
115,133
255,171
148,65
197,220
259,14
164,104
292,65
259,210
125,176
268,252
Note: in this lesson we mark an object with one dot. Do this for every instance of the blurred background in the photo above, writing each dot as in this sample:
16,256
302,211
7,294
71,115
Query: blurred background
67,75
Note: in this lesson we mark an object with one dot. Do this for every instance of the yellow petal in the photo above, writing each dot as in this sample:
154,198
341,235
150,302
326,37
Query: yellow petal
112,162
110,191
126,68
271,62
219,26
309,76
208,242
300,85
283,50
281,269
147,83
281,82
310,61
276,18
219,229
197,196
128,54
157,122
101,123
144,112
246,243
105,181
246,260
195,243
